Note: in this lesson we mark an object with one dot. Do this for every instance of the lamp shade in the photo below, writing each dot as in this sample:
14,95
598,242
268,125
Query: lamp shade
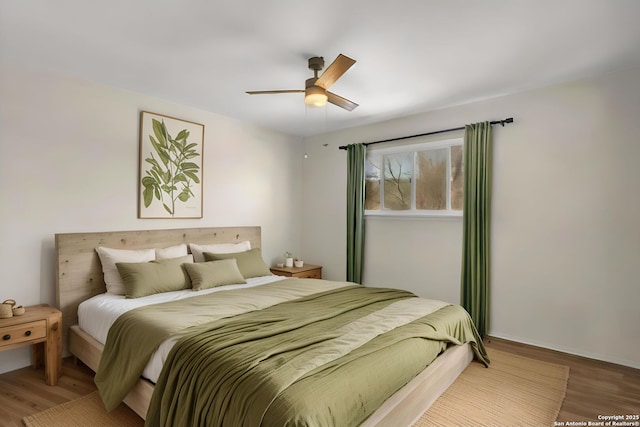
315,96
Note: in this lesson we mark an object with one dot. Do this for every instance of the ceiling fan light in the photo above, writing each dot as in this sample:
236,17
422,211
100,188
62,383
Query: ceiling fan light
315,96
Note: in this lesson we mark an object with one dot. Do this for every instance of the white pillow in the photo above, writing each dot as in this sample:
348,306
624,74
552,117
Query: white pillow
218,248
109,257
176,251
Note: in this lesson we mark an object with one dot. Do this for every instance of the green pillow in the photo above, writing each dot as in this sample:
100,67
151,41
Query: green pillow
250,263
205,275
147,278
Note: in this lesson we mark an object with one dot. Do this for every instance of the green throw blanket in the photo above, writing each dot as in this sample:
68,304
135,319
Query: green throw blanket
327,358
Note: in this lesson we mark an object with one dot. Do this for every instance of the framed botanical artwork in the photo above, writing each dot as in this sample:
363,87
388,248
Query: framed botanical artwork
170,180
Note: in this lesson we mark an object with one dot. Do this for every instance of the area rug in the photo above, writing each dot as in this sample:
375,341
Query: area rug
86,411
513,391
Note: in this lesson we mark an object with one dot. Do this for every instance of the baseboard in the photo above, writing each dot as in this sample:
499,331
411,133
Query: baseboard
567,350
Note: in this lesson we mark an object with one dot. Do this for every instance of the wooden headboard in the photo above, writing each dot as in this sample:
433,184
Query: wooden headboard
78,268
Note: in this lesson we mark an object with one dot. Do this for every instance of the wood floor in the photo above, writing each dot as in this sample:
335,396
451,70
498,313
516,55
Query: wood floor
594,388
23,392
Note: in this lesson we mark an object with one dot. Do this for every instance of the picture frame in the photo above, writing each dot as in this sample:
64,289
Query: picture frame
170,174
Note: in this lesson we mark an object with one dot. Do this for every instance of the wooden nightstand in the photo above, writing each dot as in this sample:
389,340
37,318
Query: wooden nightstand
41,327
308,271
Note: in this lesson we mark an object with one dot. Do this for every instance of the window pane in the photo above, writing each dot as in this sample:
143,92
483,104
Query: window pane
372,182
431,179
457,177
398,170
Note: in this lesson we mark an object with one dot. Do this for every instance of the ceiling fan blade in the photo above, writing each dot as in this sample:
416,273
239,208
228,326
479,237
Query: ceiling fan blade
334,71
340,101
271,92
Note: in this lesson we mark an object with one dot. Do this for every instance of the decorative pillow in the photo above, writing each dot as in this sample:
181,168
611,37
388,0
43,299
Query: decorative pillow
218,248
250,263
146,278
172,252
210,274
109,257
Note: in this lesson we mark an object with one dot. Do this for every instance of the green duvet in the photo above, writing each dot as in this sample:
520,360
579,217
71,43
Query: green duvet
313,353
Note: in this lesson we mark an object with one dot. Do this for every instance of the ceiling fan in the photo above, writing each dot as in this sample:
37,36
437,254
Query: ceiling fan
315,92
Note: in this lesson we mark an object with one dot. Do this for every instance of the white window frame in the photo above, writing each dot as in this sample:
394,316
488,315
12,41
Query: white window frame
413,212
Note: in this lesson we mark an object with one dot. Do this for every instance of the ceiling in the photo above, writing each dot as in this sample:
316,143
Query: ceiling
412,55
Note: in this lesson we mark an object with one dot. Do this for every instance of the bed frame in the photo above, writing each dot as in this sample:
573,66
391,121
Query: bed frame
79,277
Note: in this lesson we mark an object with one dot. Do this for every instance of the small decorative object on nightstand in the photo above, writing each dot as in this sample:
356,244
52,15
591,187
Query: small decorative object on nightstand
41,327
6,309
288,259
308,271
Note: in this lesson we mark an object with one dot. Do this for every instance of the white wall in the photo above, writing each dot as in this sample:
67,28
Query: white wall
566,212
69,163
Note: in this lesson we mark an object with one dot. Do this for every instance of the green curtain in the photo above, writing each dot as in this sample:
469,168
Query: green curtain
476,235
355,211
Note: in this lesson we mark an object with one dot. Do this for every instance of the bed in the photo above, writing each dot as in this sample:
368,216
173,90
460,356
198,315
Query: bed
80,277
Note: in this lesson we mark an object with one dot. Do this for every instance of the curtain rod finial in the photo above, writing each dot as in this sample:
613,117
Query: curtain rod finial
506,121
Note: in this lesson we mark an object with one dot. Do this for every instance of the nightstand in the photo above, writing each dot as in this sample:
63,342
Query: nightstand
308,271
41,327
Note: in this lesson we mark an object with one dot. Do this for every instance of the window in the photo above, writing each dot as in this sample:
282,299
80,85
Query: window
415,180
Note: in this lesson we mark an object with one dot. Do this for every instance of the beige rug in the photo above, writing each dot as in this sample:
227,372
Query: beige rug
513,391
86,411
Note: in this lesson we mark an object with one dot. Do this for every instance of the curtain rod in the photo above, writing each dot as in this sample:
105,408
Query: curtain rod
495,122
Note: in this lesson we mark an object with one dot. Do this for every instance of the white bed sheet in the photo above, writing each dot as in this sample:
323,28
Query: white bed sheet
97,314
